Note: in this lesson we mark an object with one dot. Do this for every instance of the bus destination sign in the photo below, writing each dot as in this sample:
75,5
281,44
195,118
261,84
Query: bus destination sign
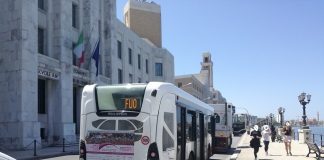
131,103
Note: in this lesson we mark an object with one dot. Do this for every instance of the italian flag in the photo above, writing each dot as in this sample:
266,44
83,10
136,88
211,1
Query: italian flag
79,49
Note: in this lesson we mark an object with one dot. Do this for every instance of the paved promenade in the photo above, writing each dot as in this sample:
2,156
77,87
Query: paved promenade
276,151
46,152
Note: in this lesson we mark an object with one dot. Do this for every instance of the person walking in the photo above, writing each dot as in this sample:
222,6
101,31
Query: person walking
287,131
255,141
266,133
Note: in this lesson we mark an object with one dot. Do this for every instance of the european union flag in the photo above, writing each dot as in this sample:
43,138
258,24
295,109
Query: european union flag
95,56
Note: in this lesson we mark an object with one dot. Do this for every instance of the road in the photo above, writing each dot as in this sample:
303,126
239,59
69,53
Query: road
215,156
226,156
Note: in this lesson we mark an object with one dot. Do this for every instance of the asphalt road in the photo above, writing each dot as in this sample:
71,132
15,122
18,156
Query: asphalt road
222,156
225,156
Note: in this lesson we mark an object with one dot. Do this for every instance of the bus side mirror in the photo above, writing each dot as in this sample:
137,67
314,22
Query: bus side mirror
217,118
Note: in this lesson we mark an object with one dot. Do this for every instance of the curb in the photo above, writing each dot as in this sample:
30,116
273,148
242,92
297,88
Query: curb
239,145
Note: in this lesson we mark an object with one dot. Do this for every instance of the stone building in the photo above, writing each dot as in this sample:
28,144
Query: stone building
40,81
201,85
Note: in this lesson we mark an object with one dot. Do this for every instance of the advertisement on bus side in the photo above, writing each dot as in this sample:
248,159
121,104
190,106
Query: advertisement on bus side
110,145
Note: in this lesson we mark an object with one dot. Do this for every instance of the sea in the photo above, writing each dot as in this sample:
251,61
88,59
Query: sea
318,132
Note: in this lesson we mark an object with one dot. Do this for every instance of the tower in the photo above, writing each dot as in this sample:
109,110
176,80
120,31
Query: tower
144,18
207,67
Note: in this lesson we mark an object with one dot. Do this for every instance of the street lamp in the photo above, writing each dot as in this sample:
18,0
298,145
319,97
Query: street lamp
281,111
248,117
302,101
271,116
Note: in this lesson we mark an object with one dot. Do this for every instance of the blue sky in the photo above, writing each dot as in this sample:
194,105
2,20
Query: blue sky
265,53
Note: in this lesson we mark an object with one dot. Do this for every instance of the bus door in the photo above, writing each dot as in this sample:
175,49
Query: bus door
181,132
202,136
166,127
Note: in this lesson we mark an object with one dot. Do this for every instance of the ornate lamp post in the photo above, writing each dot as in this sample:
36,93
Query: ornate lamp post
271,116
281,111
302,101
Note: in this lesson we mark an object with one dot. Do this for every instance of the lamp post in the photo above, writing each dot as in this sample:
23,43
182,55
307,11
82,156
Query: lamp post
281,111
302,101
271,116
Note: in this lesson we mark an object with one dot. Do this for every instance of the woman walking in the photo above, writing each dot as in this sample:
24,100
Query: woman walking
266,133
287,138
255,141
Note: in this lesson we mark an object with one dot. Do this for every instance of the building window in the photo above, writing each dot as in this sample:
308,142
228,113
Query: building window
41,96
130,78
119,49
158,69
139,80
139,61
146,66
41,5
120,76
75,15
130,61
41,40
206,59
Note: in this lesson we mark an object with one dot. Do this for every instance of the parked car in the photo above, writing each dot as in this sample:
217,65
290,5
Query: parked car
5,157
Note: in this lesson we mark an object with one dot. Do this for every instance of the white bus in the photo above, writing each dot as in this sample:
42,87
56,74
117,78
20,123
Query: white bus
143,121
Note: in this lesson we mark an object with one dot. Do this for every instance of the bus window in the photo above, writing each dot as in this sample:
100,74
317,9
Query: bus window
119,98
124,125
168,119
97,122
108,125
168,131
191,126
167,140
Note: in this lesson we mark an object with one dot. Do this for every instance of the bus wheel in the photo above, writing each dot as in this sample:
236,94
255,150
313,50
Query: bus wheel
191,156
230,144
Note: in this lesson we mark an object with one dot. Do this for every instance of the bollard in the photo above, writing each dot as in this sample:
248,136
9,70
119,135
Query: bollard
63,144
313,138
321,141
35,148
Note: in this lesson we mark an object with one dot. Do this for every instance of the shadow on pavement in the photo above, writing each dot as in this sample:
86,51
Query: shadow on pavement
229,152
243,147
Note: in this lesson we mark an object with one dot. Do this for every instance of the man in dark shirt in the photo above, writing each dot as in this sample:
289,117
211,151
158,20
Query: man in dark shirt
255,141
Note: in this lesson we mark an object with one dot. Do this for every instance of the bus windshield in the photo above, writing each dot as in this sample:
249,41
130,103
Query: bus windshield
120,97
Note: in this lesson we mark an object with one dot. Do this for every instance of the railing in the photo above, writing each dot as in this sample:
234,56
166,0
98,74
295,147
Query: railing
316,138
33,145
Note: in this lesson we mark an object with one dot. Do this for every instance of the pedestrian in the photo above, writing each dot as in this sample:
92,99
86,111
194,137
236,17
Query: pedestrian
255,141
273,133
266,138
287,131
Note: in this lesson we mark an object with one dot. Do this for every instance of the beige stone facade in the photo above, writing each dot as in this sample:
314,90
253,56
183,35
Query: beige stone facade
144,18
201,85
40,82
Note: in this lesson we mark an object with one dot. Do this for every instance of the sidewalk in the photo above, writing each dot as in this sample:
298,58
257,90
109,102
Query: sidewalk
276,151
42,153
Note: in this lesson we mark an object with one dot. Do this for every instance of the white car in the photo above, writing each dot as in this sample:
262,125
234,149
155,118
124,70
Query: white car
5,157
